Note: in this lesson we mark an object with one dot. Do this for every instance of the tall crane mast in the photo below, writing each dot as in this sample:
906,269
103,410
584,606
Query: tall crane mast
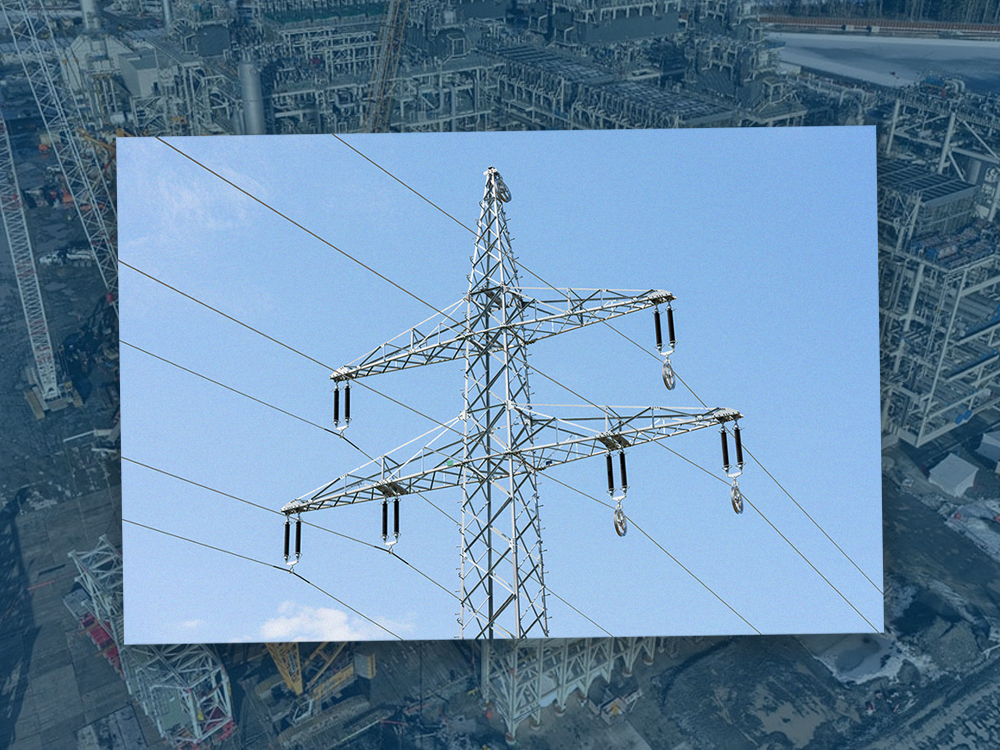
504,443
83,173
16,228
378,109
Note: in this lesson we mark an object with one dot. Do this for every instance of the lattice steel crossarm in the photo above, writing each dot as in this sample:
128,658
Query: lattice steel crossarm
553,441
444,338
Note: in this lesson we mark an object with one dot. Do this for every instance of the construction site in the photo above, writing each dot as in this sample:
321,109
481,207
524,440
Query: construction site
76,76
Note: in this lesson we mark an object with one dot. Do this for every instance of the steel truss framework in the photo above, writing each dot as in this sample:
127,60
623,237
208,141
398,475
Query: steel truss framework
520,678
184,689
16,228
939,272
940,332
82,170
946,129
459,95
319,673
193,97
505,443
539,88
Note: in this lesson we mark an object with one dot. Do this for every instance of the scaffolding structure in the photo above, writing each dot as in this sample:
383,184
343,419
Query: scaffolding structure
519,678
183,689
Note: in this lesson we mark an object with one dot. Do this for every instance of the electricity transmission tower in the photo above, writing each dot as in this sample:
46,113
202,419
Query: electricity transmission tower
502,442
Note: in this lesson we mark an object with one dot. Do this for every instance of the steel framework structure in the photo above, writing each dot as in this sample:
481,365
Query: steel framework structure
16,228
520,678
504,443
947,128
83,173
184,689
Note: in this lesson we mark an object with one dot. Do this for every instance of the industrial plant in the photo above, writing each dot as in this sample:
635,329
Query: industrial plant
74,77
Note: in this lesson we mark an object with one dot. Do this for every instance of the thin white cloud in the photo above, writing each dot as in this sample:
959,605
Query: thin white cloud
303,623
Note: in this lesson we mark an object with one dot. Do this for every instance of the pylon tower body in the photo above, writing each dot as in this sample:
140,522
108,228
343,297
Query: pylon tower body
502,578
503,443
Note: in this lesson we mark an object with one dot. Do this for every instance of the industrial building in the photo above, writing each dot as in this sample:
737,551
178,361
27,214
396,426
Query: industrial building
165,67
939,285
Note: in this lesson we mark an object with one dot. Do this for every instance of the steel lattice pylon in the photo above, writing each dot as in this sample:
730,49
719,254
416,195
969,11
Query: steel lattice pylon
503,442
501,536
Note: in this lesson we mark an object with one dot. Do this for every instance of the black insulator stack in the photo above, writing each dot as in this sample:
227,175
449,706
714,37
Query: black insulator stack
670,327
621,458
395,516
298,537
336,405
385,520
739,447
725,449
288,528
611,476
659,331
347,404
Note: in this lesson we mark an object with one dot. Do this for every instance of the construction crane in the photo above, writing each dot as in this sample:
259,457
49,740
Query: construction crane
16,228
82,170
390,43
504,443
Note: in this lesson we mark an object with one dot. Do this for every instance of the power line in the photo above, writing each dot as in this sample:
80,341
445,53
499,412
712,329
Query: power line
439,312
307,231
224,315
338,433
662,548
797,550
228,388
636,344
773,478
389,551
402,183
269,565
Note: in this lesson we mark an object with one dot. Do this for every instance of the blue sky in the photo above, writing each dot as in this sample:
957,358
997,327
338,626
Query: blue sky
766,237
